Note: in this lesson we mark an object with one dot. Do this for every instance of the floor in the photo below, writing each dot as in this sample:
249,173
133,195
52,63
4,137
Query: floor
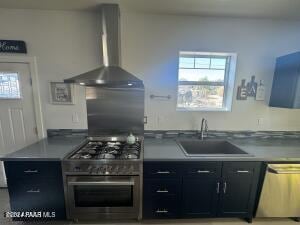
4,207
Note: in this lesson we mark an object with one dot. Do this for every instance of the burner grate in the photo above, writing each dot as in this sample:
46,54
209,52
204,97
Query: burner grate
108,150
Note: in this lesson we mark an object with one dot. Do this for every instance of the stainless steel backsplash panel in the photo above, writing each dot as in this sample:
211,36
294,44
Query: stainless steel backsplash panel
114,110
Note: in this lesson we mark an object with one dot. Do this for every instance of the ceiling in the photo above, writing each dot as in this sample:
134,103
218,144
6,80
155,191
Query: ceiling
274,9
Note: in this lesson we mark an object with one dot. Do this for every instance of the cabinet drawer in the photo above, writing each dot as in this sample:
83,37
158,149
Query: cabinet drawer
39,194
161,170
203,169
161,187
161,207
45,195
240,168
32,169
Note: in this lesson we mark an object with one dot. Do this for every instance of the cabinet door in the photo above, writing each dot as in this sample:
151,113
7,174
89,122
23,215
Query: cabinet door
238,190
201,188
285,88
200,197
37,195
37,190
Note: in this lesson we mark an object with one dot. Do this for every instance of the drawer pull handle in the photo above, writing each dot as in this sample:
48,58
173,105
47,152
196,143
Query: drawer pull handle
218,187
163,172
162,191
162,211
243,171
203,171
225,187
33,191
31,171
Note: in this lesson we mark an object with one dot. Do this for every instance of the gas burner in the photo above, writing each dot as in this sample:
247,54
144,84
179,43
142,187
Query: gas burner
85,156
111,148
106,156
128,156
131,151
113,143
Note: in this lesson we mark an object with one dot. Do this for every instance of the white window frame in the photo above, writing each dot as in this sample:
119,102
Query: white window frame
229,80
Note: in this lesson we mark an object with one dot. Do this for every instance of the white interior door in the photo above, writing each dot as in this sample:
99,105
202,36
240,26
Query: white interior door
17,115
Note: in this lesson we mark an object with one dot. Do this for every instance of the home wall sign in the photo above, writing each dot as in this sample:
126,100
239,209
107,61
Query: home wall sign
12,46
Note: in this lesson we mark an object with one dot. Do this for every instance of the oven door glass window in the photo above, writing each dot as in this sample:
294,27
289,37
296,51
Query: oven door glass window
103,196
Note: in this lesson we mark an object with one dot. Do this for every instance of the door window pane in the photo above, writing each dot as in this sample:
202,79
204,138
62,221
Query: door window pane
9,86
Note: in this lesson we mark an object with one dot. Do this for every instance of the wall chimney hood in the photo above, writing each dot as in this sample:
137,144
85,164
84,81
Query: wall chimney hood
110,74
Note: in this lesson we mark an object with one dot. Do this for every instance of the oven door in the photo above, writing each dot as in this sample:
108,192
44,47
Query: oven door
103,194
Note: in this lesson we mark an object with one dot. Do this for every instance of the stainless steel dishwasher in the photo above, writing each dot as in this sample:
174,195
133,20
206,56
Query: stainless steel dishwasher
280,196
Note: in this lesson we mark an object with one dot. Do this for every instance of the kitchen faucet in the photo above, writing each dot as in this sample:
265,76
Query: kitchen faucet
204,128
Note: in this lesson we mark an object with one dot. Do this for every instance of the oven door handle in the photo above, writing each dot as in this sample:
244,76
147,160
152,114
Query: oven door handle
115,183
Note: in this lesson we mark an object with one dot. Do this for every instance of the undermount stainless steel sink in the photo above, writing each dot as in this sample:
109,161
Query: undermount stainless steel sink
210,148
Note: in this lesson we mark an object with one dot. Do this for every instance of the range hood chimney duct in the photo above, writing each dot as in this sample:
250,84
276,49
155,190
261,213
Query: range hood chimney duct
110,23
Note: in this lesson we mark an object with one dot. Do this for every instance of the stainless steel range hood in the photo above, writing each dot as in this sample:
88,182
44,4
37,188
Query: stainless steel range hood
110,74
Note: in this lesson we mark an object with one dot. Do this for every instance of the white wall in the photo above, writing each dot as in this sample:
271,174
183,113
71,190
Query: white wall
65,44
150,46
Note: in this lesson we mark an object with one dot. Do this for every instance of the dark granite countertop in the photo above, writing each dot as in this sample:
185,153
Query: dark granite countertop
259,150
56,148
48,149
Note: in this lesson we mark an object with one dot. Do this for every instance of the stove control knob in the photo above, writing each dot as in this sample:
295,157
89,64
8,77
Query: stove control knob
131,170
101,170
77,169
116,169
94,170
124,169
89,169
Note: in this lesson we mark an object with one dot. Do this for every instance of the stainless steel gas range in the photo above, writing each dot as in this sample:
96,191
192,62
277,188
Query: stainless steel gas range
103,179
103,176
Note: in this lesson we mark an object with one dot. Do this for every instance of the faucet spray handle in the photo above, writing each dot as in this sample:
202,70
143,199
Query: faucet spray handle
206,126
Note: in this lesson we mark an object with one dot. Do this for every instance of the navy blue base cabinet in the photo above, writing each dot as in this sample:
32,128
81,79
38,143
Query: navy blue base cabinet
36,186
200,189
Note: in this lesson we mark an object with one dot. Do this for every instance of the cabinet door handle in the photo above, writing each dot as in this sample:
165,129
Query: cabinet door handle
218,187
31,171
162,211
203,171
163,172
225,187
162,191
242,171
33,191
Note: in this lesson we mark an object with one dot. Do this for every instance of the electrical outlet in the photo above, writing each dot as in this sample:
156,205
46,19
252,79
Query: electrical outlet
260,121
75,117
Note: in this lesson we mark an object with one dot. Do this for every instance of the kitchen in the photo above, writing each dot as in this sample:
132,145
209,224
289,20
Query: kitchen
157,46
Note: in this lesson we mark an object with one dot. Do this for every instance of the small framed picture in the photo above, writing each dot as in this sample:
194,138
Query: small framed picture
61,93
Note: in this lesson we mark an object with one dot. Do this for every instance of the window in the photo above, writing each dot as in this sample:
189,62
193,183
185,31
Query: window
9,85
205,81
